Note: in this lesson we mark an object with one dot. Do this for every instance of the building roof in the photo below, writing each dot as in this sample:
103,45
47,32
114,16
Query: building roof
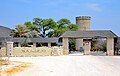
5,36
41,40
4,31
5,39
89,34
118,39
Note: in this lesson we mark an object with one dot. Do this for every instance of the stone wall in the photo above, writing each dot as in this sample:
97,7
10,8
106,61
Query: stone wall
3,52
34,51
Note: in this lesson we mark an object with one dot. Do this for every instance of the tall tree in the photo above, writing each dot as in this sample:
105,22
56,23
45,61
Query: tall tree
19,31
44,25
62,26
44,28
33,30
72,27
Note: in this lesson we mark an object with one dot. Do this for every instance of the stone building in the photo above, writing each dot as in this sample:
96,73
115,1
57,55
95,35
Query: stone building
84,36
87,36
5,37
9,42
84,23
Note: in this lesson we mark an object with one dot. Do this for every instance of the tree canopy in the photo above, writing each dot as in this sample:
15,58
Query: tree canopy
44,28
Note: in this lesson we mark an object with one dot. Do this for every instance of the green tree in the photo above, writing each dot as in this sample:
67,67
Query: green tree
62,26
44,25
98,45
44,28
73,27
33,30
19,31
25,30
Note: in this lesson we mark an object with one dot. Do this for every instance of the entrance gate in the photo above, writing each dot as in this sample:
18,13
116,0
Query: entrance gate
87,35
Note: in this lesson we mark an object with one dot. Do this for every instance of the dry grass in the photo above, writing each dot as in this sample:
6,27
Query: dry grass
16,69
3,62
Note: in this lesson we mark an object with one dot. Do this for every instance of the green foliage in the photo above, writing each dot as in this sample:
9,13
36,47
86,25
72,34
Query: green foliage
63,22
98,45
73,27
44,28
29,25
44,25
25,30
62,26
33,30
19,31
72,44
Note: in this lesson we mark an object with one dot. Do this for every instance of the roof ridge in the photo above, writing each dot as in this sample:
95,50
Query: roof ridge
94,30
5,27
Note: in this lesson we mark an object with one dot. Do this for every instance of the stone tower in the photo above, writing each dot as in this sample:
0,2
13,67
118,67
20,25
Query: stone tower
84,22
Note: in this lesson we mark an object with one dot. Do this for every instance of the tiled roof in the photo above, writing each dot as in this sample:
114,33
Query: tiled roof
5,39
89,34
118,39
41,40
5,36
4,31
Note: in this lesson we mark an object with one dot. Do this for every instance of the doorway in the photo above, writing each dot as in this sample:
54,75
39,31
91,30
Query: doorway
99,47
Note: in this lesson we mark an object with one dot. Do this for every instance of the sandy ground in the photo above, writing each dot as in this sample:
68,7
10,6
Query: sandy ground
71,66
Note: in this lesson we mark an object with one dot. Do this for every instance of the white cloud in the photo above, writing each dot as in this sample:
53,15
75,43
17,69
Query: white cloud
95,7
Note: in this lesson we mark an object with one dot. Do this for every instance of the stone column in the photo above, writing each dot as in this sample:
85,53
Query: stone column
34,44
87,47
19,44
65,46
9,48
49,45
110,46
79,43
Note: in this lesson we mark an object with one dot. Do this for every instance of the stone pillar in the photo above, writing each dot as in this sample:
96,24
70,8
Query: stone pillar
34,44
110,46
19,44
79,43
87,47
9,48
49,45
65,46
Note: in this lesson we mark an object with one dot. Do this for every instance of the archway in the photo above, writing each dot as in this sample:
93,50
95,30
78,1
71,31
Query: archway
86,36
99,46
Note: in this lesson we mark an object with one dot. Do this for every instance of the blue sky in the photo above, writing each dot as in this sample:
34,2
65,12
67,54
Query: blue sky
105,13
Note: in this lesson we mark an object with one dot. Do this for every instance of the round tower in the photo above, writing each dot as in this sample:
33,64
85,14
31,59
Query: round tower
83,22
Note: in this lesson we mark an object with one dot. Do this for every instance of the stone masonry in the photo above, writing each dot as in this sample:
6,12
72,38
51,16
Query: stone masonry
84,23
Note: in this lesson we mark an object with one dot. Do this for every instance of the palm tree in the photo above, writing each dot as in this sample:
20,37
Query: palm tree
25,30
19,31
